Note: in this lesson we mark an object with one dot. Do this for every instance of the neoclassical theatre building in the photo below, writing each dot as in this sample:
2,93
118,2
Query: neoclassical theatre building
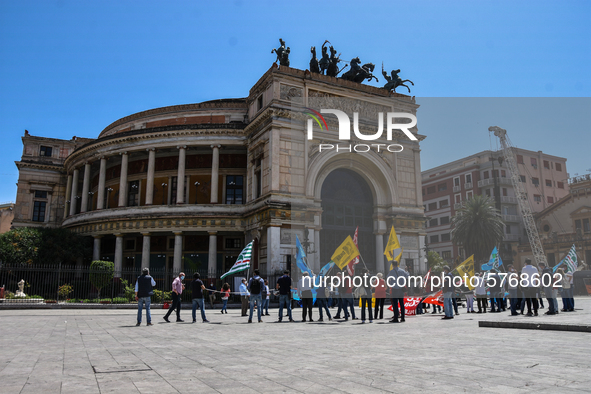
192,184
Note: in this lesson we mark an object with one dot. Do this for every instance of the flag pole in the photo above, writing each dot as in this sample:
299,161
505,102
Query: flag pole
363,261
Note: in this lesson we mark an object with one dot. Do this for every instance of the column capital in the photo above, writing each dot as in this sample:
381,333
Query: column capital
123,153
119,235
149,149
181,147
146,234
216,146
99,236
177,232
213,232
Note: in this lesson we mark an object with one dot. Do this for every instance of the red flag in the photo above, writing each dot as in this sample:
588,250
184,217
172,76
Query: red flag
435,299
426,278
350,268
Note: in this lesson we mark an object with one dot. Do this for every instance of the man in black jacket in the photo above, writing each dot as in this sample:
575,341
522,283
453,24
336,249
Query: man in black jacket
144,287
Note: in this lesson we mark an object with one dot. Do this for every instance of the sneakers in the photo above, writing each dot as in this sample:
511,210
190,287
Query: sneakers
362,321
330,319
205,321
447,318
371,321
138,324
402,320
179,320
166,319
320,320
194,321
149,324
250,321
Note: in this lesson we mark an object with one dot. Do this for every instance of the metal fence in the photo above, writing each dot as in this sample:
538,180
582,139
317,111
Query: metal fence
45,282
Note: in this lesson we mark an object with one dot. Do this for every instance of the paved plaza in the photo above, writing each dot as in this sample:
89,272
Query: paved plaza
102,351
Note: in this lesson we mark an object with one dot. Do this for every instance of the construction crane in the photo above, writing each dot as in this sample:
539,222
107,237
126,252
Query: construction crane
524,207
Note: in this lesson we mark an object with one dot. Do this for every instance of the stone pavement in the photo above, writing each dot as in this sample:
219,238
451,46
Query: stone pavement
101,351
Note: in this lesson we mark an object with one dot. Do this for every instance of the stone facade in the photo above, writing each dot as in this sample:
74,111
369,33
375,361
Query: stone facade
197,182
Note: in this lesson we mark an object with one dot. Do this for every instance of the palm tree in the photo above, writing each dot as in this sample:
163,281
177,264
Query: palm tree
478,227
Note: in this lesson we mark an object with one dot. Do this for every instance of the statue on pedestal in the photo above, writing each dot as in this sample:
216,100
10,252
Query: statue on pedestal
394,81
359,73
314,67
21,287
282,54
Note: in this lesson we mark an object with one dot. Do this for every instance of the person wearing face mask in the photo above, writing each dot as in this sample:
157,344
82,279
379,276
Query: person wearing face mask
177,290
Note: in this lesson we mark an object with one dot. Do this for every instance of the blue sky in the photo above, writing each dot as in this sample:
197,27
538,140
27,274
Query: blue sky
72,67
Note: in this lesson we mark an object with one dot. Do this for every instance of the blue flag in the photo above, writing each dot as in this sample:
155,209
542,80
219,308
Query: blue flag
324,270
300,258
494,262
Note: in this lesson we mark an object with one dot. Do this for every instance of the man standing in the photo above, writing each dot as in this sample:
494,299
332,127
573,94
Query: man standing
495,292
305,293
529,275
548,291
177,290
144,286
197,288
513,286
244,296
397,280
321,301
481,293
448,288
284,287
255,287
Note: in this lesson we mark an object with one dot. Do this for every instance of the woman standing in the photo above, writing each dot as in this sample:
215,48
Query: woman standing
225,296
380,291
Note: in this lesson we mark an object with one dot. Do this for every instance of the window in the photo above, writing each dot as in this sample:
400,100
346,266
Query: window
535,181
550,200
45,151
519,159
444,220
432,206
505,194
434,239
522,178
468,178
558,167
537,198
586,227
507,229
469,195
560,185
442,187
233,243
485,175
445,237
443,204
432,222
487,192
260,103
133,195
546,164
258,179
457,181
431,190
548,183
39,211
458,198
170,243
234,189
534,162
40,194
446,254
551,259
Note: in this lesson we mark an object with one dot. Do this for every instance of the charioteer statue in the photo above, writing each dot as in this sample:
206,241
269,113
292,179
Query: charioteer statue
394,80
359,73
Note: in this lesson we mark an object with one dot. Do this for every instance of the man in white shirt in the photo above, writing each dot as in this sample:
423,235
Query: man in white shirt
528,274
481,293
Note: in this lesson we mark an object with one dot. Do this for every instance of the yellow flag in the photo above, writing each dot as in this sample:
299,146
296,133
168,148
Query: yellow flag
398,258
392,245
467,267
345,253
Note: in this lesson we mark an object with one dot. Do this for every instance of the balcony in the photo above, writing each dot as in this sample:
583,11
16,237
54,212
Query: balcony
468,186
457,205
509,200
491,181
511,237
457,189
511,218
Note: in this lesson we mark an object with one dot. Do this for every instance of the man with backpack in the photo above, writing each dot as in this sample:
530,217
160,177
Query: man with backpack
144,287
255,287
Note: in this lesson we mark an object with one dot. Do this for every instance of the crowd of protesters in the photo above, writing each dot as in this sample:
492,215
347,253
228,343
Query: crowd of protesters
493,295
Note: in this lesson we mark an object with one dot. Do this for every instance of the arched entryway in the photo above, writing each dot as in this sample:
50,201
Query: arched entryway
347,202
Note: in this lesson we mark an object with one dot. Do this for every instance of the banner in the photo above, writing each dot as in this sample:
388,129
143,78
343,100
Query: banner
243,261
392,245
410,305
467,267
570,260
345,253
435,299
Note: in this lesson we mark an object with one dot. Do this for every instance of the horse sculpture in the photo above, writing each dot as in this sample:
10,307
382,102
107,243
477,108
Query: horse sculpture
282,54
359,73
314,67
394,81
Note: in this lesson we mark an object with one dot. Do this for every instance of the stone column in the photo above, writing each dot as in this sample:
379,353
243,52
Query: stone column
118,255
274,249
180,178
74,192
380,254
215,170
213,252
85,188
146,250
68,195
100,198
123,180
178,252
96,251
150,178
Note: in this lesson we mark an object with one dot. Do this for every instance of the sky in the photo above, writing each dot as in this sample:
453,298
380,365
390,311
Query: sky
70,68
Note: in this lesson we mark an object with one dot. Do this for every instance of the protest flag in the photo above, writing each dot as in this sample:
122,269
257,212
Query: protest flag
392,245
355,261
242,262
346,252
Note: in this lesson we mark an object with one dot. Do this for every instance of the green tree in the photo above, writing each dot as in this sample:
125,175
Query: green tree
477,227
435,261
20,246
101,274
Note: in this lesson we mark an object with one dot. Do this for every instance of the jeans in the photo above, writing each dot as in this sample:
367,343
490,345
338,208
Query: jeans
284,299
266,305
379,308
244,300
469,303
225,305
448,306
176,304
395,303
140,306
348,302
198,301
339,306
366,302
256,298
323,304
514,301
